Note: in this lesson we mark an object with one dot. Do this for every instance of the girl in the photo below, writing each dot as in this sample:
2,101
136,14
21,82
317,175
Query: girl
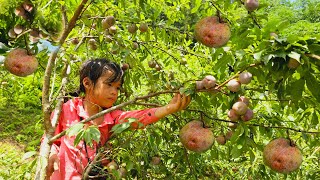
100,81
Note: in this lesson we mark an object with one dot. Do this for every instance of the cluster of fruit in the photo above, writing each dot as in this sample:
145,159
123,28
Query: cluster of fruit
240,110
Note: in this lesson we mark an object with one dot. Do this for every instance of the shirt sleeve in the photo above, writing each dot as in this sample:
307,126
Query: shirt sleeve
144,117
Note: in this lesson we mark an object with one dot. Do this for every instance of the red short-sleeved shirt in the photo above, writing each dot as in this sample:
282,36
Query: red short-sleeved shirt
73,159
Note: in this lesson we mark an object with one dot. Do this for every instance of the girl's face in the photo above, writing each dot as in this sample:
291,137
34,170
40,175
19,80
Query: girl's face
103,93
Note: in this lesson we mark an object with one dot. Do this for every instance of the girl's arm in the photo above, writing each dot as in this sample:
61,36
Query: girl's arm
149,116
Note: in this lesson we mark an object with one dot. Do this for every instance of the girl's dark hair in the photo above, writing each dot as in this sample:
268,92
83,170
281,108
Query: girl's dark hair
94,68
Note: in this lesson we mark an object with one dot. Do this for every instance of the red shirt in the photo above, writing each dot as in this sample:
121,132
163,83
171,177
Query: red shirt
73,159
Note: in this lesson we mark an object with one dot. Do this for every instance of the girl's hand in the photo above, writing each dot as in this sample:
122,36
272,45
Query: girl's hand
53,164
178,103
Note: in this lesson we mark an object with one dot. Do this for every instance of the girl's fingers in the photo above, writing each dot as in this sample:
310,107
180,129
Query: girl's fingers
185,101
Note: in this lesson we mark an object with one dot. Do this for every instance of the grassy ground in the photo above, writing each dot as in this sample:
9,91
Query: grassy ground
20,133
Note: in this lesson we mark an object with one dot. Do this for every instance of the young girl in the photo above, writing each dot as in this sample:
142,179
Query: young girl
100,81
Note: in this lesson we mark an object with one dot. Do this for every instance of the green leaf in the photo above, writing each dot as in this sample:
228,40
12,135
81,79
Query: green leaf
313,86
296,89
78,138
94,133
295,55
75,129
197,5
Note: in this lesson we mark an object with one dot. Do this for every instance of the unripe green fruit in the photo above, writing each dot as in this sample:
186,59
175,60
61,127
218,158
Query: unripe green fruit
212,33
240,108
234,85
183,61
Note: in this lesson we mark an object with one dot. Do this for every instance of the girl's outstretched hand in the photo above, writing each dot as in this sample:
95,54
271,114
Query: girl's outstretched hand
178,103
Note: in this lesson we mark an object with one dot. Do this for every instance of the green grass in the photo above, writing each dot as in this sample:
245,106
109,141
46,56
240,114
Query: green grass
20,132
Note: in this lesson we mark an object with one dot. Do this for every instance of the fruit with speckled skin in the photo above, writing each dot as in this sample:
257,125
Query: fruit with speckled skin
195,137
20,63
282,156
233,116
211,32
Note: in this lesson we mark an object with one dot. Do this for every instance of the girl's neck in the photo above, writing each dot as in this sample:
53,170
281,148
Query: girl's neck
91,107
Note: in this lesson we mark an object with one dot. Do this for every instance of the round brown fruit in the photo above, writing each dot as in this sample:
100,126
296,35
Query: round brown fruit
251,5
112,166
195,137
19,11
108,38
110,20
132,28
152,64
157,67
92,41
135,45
75,41
282,156
125,66
245,77
20,63
27,6
293,63
143,27
244,99
233,116
229,135
221,140
209,82
240,108
211,32
234,85
156,160
18,29
12,34
199,85
113,30
248,115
